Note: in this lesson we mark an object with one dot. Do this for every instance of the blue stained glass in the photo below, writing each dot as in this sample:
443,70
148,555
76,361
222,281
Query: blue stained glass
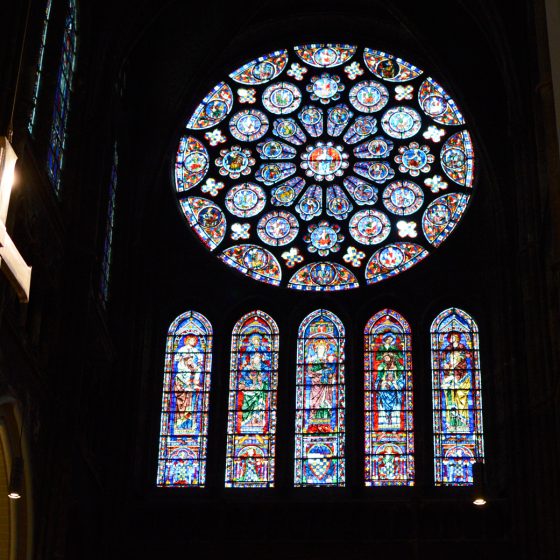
320,402
39,71
457,397
389,436
55,157
332,133
253,384
186,390
109,224
337,119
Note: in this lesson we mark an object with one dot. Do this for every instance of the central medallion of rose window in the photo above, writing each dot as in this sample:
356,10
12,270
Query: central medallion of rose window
324,167
324,161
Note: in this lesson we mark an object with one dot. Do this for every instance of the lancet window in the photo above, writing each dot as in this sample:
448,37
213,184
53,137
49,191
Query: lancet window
320,402
186,388
251,432
457,397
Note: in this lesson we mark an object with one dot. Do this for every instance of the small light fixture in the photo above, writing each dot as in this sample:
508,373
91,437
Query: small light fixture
15,488
479,486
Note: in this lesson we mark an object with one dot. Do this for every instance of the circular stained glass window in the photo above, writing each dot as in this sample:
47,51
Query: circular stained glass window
324,167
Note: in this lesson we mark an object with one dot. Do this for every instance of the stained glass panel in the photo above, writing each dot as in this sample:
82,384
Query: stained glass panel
55,157
320,402
184,416
108,241
324,130
389,424
39,71
457,397
251,438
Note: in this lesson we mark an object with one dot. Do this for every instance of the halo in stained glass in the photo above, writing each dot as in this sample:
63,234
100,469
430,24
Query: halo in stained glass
318,167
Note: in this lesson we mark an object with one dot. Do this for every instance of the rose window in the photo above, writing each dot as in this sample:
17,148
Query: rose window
324,167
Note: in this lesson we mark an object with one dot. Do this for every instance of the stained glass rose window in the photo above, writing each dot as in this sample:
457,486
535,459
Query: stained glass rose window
324,167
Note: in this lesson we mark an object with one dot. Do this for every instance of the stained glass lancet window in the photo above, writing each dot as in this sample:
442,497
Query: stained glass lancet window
389,424
55,157
324,167
251,434
457,397
108,240
184,416
39,71
320,401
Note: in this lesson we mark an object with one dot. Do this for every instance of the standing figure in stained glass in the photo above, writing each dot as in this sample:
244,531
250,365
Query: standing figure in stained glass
456,383
254,383
321,374
390,382
188,380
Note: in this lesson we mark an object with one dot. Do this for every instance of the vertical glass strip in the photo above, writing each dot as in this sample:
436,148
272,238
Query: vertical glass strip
389,423
251,434
108,240
55,157
186,389
39,71
457,397
320,402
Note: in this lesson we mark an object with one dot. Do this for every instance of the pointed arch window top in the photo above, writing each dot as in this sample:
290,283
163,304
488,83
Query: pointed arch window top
324,167
457,397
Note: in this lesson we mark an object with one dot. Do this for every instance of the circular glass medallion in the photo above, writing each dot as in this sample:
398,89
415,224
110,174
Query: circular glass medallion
245,200
369,96
401,122
403,198
325,88
209,217
278,228
454,158
324,161
414,159
248,125
434,105
281,98
369,227
216,109
391,256
325,56
324,237
438,214
255,258
311,115
323,273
